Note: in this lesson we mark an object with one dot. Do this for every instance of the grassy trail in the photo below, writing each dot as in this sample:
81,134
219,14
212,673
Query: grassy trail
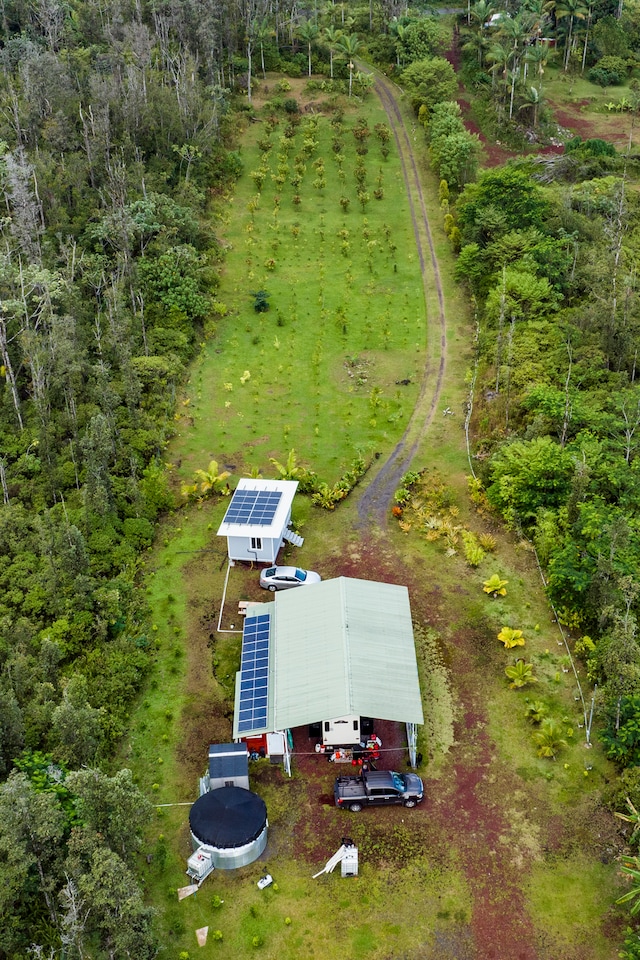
374,503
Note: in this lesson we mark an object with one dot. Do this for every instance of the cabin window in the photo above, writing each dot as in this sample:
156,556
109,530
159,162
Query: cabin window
327,726
229,783
256,543
355,725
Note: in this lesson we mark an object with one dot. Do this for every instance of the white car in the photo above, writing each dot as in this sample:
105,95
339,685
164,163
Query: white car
282,578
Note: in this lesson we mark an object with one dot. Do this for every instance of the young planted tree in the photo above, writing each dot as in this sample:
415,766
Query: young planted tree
520,674
548,739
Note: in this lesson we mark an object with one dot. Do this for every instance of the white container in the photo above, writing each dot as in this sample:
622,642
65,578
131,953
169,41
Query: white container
200,864
349,863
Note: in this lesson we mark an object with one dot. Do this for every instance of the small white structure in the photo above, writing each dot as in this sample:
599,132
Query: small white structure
346,856
200,864
257,520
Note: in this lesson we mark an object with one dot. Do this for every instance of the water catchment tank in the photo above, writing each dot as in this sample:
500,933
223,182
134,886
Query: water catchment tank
232,823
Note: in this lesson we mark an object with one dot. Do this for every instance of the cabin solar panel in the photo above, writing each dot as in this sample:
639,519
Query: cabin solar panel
254,674
256,507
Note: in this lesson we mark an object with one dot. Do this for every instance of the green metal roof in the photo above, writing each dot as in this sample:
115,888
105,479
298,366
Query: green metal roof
343,647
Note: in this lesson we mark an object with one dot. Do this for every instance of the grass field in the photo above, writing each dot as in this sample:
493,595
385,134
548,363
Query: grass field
525,845
346,318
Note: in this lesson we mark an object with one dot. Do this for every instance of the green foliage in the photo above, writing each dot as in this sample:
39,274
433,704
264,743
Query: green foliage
621,736
511,637
473,552
261,301
536,712
632,817
454,151
520,674
526,476
548,739
631,866
625,786
429,82
495,586
631,946
604,78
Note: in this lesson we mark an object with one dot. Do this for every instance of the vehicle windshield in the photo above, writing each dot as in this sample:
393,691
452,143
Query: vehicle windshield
271,572
301,574
399,783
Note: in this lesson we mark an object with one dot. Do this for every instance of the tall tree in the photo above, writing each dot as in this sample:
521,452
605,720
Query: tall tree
308,32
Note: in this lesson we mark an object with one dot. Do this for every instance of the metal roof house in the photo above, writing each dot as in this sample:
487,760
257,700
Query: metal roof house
335,649
257,520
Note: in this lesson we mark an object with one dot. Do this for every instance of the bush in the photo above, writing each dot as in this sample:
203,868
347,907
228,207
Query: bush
291,68
621,738
626,785
604,78
291,105
613,65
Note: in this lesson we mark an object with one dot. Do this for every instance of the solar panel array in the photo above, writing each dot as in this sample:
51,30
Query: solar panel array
254,674
253,507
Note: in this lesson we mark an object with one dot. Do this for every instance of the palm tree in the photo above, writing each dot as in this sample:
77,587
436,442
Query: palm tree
331,35
574,9
533,99
477,43
537,56
398,30
516,31
586,36
209,480
481,12
261,32
520,674
308,31
349,45
549,739
632,817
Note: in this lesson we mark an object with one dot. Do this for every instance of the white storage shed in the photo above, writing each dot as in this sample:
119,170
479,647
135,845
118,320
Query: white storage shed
257,520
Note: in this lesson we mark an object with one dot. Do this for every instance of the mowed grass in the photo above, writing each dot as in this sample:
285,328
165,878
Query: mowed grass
318,372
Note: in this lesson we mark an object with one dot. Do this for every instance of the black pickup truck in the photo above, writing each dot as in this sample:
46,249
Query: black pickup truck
376,787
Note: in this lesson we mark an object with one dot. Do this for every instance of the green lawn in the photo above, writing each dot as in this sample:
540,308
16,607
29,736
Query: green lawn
346,318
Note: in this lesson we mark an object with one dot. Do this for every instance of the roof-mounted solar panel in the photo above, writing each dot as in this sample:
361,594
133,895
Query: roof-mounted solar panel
253,507
254,674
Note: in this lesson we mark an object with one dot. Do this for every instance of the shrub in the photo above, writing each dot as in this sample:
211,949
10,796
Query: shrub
626,785
548,739
511,638
520,674
604,78
291,105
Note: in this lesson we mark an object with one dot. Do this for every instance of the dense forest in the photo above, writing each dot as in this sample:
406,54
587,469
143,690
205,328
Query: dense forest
116,134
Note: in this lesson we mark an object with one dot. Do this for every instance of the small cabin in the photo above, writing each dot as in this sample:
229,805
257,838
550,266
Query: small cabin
257,521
